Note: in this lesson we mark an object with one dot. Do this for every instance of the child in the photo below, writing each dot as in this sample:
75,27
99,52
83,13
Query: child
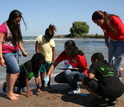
103,81
28,70
75,59
46,45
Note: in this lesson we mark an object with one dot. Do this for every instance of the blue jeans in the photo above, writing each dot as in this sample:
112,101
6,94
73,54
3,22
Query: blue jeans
70,77
116,48
12,62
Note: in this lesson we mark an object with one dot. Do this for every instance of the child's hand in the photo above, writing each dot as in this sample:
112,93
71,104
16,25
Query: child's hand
46,79
2,62
25,54
28,94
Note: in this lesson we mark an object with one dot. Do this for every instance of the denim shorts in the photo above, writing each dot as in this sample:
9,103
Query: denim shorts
12,62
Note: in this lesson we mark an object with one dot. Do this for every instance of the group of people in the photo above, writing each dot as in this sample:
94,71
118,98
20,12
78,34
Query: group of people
99,79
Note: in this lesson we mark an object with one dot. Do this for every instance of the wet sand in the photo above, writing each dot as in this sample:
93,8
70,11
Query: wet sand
55,97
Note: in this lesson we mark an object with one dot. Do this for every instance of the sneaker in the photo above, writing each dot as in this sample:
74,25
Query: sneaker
99,102
74,92
4,87
113,102
103,103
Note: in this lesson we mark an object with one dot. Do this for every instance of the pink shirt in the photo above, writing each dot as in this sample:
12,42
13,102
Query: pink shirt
7,45
117,24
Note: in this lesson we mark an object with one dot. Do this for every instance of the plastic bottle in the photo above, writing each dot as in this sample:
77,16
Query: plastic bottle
122,63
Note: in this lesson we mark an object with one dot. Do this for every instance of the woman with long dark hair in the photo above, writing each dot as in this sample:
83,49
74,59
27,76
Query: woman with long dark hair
113,29
76,59
10,43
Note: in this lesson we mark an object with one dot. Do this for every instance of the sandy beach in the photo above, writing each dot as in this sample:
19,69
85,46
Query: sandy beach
55,97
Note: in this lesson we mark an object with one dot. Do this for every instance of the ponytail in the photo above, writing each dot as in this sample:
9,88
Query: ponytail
50,30
102,14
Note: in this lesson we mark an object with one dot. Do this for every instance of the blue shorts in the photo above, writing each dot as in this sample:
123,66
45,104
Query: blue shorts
45,67
12,62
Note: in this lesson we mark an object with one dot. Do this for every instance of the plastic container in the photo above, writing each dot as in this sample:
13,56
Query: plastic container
122,63
66,64
83,94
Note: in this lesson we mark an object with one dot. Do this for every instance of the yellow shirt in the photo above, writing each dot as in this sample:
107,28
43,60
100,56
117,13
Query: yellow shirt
46,47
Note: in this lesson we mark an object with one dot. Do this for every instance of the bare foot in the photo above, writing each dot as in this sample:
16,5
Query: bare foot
16,95
12,97
38,90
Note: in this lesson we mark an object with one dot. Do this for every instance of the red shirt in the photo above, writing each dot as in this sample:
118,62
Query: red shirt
80,61
118,25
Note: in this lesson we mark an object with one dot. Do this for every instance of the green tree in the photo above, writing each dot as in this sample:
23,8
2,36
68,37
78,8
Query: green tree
79,29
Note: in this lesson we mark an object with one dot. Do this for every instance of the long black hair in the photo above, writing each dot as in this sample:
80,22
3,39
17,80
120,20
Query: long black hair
102,14
15,30
72,46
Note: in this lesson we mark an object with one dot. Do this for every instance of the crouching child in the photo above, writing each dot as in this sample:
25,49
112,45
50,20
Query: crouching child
103,82
28,70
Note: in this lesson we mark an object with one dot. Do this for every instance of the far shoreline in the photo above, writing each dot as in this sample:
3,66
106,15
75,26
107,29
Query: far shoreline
83,36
